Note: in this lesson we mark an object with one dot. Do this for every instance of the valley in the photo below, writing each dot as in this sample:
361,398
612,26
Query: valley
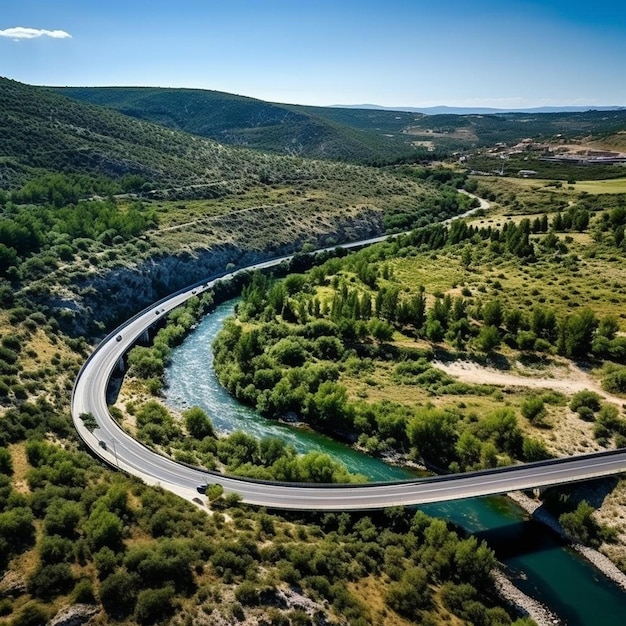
493,340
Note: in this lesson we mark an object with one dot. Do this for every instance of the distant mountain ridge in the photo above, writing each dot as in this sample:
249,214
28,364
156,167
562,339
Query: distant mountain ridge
449,110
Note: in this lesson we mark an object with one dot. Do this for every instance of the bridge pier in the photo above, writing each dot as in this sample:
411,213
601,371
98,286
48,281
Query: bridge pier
121,365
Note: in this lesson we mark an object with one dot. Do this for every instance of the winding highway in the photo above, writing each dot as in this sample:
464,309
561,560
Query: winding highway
117,448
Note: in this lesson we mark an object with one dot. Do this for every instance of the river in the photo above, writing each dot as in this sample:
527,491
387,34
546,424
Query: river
535,558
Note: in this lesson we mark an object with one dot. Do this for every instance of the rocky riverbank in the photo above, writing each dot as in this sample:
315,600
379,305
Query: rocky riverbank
524,603
597,559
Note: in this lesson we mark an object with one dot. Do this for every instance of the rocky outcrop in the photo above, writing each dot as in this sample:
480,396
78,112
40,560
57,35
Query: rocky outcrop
103,299
74,615
12,585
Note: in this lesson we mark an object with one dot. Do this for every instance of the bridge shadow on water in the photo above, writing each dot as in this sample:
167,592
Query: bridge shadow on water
520,538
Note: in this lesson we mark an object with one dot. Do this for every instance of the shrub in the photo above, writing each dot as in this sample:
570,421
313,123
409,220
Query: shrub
106,562
609,417
154,604
16,531
49,581
33,614
247,593
62,518
410,594
55,549
214,491
586,398
19,391
534,450
533,408
89,421
586,414
118,594
83,592
615,381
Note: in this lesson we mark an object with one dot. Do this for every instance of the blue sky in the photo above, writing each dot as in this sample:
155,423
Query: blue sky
509,53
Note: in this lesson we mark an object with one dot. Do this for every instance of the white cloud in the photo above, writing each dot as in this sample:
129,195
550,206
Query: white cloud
17,33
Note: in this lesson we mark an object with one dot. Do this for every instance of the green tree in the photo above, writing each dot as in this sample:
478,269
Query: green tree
468,450
17,531
434,330
410,594
62,518
608,327
433,432
543,323
198,423
474,562
6,462
581,526
488,339
104,529
380,330
153,605
579,332
145,362
501,428
328,407
49,581
493,313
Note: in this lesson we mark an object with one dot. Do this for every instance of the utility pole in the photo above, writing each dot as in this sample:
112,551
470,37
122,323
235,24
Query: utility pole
117,464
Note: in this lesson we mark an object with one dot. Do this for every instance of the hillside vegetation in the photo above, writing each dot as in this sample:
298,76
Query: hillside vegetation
101,214
365,347
236,120
485,130
89,197
342,133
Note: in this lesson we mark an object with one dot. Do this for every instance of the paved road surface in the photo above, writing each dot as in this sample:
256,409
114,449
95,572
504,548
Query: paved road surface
113,445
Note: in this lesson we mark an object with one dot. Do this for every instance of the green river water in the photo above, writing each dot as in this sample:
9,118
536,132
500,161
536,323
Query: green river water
536,559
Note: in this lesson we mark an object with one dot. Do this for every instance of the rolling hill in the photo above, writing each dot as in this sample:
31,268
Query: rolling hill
44,131
65,166
358,136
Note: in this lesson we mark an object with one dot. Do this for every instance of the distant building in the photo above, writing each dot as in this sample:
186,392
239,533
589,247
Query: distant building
526,173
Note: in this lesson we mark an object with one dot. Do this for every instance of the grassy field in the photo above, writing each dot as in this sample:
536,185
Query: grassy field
595,281
617,185
595,187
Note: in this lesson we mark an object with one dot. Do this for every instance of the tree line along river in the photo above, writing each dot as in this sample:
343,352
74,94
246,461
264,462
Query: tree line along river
537,560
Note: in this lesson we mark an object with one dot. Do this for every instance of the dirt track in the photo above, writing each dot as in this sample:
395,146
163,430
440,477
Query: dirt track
568,381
